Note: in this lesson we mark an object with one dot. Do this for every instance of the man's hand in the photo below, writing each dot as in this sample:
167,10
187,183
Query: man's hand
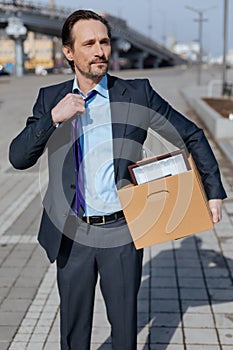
216,209
67,108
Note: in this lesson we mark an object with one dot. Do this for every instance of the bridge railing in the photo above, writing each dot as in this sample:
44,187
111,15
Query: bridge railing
36,7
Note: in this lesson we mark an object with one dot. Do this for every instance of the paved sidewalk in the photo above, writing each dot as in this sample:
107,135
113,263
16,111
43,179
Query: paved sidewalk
186,296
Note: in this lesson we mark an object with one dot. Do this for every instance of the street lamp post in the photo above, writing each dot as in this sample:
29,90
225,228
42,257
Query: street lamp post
150,11
225,36
200,20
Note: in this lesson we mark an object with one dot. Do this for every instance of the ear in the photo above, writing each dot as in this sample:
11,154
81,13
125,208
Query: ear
67,51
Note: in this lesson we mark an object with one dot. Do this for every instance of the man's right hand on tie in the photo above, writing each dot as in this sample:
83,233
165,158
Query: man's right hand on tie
70,105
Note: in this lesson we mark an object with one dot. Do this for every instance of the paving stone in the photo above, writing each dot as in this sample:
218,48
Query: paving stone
54,335
8,318
35,346
196,306
22,293
216,272
164,259
198,320
100,335
200,336
221,283
143,318
4,291
144,293
15,305
143,305
99,346
13,272
164,306
222,294
187,272
27,282
226,336
167,282
163,271
142,336
4,345
164,293
187,263
22,337
7,333
166,319
100,320
193,294
14,262
166,347
203,347
187,255
5,250
141,347
223,307
224,320
19,346
191,282
166,335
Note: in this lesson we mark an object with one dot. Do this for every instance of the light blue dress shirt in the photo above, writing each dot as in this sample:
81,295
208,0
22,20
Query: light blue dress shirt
100,191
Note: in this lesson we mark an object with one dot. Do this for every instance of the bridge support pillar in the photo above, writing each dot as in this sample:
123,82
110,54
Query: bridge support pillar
157,62
140,59
17,31
115,56
19,64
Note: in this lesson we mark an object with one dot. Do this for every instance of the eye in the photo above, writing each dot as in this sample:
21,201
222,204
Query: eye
105,41
88,43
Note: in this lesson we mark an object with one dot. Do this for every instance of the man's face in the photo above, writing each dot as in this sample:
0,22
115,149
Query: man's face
91,49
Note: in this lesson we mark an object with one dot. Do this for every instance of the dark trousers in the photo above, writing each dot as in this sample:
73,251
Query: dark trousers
119,269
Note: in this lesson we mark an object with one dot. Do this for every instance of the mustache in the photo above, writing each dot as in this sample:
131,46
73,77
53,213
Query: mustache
99,60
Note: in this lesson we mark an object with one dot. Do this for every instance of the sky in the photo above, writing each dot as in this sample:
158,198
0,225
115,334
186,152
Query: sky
161,18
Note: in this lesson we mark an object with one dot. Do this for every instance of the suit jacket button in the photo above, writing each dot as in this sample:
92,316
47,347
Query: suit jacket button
64,214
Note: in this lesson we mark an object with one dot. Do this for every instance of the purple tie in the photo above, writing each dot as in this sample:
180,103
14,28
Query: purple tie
78,157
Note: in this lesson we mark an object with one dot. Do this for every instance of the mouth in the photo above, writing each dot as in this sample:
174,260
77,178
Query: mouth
100,62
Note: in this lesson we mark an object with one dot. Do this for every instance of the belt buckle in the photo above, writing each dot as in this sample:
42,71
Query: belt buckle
88,221
101,223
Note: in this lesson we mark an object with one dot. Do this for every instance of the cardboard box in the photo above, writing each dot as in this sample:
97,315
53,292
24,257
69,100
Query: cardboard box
166,209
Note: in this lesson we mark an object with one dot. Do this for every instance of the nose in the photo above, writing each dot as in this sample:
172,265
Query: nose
99,49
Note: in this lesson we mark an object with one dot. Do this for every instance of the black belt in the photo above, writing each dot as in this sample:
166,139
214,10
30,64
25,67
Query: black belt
103,219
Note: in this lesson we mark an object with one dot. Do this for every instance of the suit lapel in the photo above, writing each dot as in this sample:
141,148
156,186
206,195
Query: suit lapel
119,100
66,88
61,140
120,105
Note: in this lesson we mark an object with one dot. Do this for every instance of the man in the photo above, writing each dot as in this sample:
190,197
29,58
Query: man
83,226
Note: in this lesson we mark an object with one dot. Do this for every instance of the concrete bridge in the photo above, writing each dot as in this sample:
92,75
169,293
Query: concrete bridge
141,51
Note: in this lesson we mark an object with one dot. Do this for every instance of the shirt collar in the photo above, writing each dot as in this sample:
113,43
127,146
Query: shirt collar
101,87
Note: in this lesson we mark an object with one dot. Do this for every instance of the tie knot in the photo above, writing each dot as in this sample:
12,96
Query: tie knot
91,94
88,97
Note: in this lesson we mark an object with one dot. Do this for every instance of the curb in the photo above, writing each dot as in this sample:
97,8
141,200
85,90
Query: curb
220,129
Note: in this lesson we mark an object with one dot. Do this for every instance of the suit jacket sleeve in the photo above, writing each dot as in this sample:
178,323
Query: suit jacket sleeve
185,134
28,146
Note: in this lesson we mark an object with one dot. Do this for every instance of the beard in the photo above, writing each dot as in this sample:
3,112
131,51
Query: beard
98,71
97,68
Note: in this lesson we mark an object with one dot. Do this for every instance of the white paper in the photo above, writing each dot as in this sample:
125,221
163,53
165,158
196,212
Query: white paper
160,168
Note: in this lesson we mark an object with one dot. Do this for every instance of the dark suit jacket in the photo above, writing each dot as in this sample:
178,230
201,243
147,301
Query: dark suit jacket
135,107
